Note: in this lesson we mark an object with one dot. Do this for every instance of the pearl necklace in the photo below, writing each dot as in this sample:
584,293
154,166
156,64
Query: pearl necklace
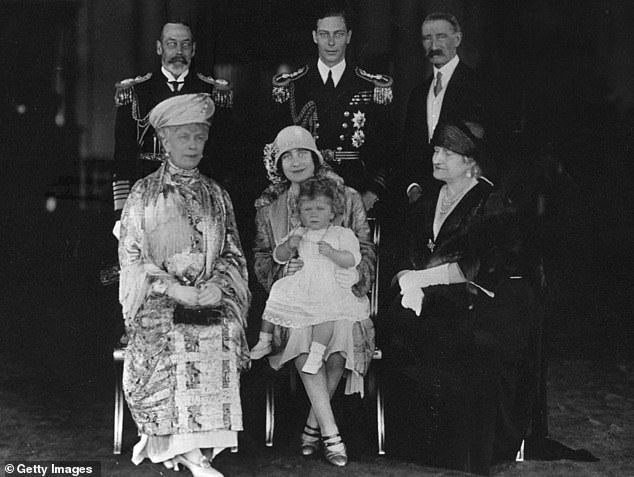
323,236
446,204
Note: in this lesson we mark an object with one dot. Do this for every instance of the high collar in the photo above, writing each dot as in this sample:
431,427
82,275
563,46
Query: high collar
447,69
170,77
174,170
337,71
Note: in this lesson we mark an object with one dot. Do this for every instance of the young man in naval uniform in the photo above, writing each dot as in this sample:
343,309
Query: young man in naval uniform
137,150
346,108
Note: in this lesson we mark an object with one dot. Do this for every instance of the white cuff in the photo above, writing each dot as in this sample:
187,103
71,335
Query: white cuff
411,186
116,230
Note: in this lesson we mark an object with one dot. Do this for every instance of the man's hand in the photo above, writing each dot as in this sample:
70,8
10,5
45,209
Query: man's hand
183,294
294,265
346,277
116,230
369,199
210,294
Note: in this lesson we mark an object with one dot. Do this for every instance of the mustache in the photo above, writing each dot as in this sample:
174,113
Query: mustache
434,53
178,59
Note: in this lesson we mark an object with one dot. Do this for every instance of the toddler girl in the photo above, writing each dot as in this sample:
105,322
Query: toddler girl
312,296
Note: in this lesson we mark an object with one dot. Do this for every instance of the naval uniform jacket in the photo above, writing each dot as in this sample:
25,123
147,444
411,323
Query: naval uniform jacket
137,149
350,123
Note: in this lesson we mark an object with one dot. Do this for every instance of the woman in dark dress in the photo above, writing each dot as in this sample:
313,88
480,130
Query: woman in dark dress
458,336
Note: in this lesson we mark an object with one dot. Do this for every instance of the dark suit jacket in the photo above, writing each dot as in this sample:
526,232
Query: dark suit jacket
465,98
330,116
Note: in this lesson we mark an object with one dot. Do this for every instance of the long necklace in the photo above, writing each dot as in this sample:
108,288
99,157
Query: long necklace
323,236
447,204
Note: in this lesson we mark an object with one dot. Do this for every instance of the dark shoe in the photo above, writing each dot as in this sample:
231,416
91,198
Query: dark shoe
335,450
311,438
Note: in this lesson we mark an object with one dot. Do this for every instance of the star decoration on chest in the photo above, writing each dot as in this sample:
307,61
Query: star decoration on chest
358,119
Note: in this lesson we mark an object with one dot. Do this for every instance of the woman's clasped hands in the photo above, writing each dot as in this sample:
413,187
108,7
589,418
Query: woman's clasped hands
207,295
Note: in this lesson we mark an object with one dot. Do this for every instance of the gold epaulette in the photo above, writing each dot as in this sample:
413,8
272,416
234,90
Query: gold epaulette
282,81
222,94
124,89
383,93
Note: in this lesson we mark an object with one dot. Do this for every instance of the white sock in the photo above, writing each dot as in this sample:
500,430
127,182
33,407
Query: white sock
315,358
263,346
265,337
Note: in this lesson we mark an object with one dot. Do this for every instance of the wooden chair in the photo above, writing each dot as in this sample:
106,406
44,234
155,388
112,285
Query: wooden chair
117,355
373,381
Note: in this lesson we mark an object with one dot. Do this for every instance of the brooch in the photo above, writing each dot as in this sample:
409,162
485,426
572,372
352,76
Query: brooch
431,245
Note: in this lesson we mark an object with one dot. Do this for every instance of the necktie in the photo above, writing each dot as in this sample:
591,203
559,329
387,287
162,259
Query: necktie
330,84
174,85
438,84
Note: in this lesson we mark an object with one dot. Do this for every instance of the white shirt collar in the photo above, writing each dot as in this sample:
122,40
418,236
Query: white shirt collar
337,71
447,69
170,76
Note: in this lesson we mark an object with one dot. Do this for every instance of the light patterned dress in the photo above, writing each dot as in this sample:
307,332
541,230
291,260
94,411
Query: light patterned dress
181,381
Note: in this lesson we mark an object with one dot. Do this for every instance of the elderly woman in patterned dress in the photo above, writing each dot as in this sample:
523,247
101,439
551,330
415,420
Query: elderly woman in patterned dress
185,296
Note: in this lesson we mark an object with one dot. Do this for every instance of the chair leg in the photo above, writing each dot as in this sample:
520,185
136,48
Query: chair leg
118,411
520,453
270,412
380,418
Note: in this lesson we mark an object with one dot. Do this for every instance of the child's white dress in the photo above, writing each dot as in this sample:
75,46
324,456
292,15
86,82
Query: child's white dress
312,295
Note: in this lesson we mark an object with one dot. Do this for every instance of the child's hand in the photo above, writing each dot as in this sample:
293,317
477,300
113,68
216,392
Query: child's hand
325,249
293,242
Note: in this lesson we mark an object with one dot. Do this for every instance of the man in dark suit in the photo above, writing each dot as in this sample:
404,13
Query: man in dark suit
454,91
346,109
137,150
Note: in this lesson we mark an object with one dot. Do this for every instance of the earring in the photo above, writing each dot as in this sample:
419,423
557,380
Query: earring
469,173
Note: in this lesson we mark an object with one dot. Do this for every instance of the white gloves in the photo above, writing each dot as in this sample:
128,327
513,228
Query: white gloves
346,277
116,230
413,299
425,278
412,283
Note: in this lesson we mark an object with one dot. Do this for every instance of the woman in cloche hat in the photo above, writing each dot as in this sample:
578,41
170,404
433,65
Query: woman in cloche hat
290,160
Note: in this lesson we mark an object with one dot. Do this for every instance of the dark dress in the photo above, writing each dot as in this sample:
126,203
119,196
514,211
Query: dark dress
461,377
